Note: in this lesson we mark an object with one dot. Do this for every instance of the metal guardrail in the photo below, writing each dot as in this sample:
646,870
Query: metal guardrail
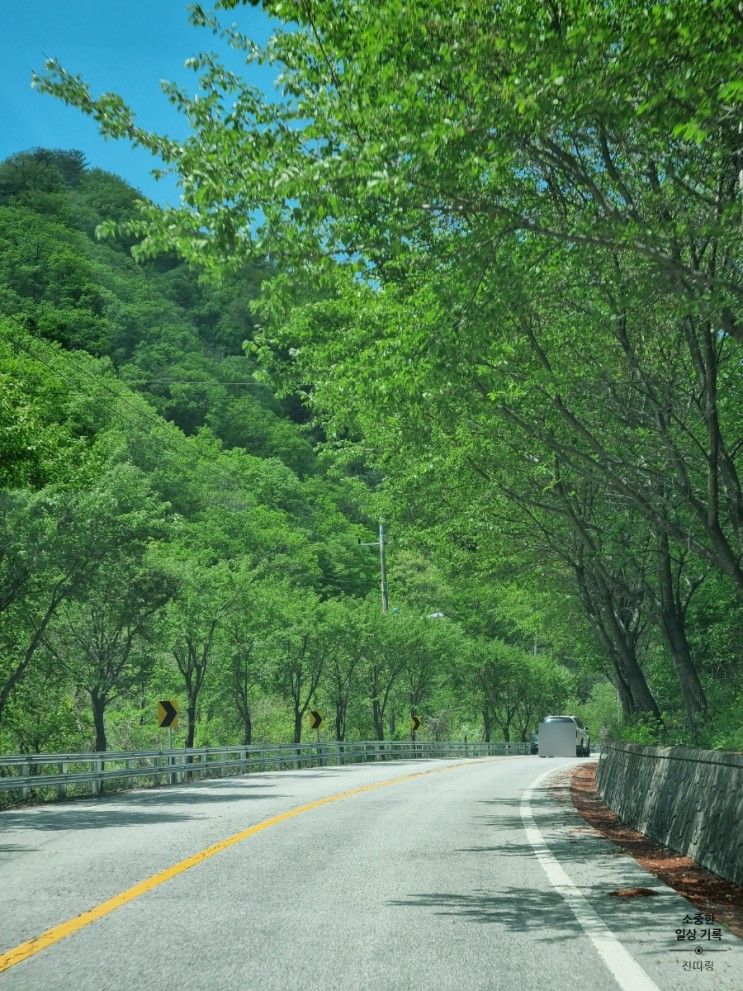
58,772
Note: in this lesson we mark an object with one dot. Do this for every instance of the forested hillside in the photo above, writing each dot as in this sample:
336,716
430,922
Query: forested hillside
168,530
506,257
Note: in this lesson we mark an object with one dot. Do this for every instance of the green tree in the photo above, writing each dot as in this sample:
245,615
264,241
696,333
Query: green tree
193,625
52,543
247,632
298,650
103,640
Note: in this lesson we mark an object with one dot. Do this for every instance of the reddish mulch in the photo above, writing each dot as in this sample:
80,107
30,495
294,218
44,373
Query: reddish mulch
635,893
703,889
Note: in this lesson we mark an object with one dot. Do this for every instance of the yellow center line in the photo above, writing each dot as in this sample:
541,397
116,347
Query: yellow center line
33,946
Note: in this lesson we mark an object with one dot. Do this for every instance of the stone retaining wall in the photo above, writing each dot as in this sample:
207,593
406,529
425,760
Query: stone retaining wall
690,800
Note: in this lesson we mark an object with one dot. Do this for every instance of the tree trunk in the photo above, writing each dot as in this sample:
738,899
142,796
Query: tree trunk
297,725
242,703
642,697
378,715
191,727
625,698
16,675
672,624
99,708
619,643
241,695
247,728
626,651
340,719
487,724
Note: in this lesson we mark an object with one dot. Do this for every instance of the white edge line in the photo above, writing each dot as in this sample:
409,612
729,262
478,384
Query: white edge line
627,972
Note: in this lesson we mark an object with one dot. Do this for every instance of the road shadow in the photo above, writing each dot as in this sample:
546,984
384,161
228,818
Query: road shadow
544,914
318,772
541,911
68,818
188,794
130,809
193,796
567,836
516,909
554,819
547,810
576,850
541,797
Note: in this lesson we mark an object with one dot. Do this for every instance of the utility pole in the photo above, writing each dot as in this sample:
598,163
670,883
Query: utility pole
382,568
382,565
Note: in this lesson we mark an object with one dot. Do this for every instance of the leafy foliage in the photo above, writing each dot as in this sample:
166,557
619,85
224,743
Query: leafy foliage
504,281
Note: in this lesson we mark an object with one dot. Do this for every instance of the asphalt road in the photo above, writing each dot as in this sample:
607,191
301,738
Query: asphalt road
476,875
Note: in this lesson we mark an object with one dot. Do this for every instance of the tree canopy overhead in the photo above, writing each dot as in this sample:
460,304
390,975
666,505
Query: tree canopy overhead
607,126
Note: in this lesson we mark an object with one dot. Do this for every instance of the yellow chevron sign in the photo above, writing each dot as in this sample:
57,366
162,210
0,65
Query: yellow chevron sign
167,713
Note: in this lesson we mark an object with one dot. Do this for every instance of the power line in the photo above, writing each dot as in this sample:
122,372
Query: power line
249,382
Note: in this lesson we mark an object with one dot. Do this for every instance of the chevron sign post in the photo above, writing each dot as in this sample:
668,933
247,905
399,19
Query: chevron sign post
315,719
167,718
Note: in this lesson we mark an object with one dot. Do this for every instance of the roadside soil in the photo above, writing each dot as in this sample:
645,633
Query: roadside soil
707,891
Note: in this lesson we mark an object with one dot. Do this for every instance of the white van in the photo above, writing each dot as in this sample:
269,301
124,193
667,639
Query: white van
561,736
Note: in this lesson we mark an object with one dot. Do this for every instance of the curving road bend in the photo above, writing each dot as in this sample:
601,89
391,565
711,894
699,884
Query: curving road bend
411,875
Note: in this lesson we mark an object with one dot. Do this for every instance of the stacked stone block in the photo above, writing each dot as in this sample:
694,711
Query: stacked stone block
690,800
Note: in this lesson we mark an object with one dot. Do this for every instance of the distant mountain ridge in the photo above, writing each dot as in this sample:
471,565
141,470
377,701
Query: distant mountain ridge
168,336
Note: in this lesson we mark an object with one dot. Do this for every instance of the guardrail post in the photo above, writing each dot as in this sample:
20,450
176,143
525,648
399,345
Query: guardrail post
157,776
25,772
62,787
97,769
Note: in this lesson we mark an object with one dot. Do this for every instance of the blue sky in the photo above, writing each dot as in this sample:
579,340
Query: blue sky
123,45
